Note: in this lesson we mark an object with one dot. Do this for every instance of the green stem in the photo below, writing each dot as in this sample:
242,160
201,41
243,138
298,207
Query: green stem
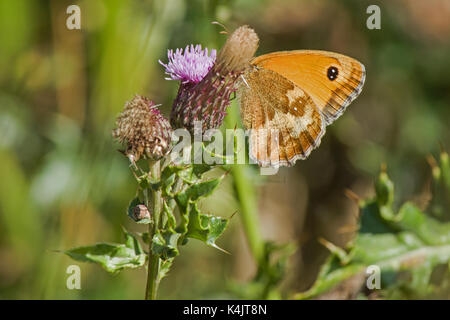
153,259
247,198
249,211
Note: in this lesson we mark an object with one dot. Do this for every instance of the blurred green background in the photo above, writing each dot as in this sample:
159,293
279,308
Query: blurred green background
63,184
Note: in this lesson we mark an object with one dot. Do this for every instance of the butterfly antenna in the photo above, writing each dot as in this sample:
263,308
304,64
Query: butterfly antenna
220,24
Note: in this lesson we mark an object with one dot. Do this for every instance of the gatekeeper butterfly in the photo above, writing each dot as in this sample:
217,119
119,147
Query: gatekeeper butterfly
288,98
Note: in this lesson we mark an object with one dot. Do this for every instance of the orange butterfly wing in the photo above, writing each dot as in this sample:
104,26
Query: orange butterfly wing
332,80
286,125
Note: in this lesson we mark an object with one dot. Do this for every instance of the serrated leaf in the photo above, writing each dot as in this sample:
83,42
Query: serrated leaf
428,229
171,221
197,191
407,241
165,244
113,257
203,227
186,175
170,172
200,169
327,280
132,242
164,268
370,249
371,219
168,176
189,174
144,181
271,271
384,188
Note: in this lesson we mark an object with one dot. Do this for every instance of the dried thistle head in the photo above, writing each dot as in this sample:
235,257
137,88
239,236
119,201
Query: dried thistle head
143,129
204,96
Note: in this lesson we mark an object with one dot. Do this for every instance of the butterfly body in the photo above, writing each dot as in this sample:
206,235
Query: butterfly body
289,97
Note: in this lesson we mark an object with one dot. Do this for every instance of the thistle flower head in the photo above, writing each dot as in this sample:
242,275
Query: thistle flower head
189,66
206,97
144,130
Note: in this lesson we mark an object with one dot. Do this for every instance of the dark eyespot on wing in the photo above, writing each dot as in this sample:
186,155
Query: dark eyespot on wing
332,73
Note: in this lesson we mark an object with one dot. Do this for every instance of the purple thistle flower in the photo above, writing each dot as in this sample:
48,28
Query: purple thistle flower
192,65
207,82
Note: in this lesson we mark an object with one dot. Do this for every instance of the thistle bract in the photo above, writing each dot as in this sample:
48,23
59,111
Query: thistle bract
144,130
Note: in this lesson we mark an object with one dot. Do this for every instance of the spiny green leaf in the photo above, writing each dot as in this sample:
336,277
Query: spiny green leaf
271,270
384,188
164,268
168,182
407,241
168,177
132,242
197,191
370,249
371,219
206,228
199,169
113,257
327,280
165,244
190,174
144,181
171,221
428,229
170,172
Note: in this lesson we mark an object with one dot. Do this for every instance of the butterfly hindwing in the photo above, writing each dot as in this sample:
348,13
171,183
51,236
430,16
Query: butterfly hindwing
284,121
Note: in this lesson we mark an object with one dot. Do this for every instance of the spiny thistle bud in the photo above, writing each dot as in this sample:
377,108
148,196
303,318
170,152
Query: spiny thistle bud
144,130
207,83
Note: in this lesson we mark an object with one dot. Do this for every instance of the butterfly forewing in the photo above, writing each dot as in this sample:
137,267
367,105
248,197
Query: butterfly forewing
332,80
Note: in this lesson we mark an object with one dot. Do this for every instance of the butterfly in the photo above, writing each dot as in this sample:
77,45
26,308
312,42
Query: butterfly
288,98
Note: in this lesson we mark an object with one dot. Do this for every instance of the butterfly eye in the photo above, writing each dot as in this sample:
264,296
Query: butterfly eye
332,73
